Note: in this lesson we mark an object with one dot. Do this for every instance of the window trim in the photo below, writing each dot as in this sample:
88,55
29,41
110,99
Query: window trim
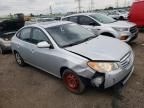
48,40
37,29
21,31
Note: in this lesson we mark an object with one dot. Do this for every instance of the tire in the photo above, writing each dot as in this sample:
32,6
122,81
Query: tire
73,82
19,59
1,50
121,18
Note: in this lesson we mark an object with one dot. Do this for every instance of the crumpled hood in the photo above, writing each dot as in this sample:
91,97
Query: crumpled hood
101,48
121,24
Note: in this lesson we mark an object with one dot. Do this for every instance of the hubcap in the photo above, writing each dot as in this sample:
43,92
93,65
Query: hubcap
18,58
71,81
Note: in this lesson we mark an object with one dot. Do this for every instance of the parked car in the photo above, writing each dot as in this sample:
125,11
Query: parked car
118,15
57,18
136,14
104,25
5,41
37,20
44,19
73,53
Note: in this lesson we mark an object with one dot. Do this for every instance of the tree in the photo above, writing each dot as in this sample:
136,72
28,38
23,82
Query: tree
32,15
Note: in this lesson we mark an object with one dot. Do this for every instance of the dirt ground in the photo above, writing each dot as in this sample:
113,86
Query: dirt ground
28,87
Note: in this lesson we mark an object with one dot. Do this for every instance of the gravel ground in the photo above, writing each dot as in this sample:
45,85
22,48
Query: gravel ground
28,87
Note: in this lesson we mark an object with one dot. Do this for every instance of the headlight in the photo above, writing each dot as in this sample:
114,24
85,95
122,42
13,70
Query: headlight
123,37
103,67
120,29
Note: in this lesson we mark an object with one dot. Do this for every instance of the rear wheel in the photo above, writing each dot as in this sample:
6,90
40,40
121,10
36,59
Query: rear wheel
19,59
121,18
72,82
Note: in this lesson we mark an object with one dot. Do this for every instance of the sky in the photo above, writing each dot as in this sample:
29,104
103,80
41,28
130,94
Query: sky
63,6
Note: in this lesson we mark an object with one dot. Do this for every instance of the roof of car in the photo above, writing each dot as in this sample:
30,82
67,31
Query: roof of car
49,24
80,14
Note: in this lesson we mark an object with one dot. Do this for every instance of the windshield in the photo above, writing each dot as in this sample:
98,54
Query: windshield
69,34
103,18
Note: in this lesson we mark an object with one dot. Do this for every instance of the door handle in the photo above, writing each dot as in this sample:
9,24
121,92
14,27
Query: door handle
18,46
32,51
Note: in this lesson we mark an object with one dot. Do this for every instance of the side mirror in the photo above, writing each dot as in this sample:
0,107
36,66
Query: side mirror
43,44
92,23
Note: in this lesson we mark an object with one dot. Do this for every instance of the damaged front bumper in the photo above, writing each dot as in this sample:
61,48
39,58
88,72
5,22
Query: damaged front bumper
109,79
104,81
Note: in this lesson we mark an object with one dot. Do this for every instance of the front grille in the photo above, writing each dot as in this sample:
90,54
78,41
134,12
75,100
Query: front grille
125,60
133,29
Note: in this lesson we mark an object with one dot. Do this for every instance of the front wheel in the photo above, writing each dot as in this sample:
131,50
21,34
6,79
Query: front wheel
19,59
72,82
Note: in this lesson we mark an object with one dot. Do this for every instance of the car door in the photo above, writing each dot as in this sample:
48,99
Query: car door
43,58
24,44
88,23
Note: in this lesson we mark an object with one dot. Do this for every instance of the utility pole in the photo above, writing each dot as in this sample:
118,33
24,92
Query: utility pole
79,5
50,8
125,3
92,5
117,3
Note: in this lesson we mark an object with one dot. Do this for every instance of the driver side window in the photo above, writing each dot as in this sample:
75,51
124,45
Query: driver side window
38,36
84,20
24,34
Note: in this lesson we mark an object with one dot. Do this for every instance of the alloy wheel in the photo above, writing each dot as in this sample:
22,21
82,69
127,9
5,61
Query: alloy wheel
71,81
18,58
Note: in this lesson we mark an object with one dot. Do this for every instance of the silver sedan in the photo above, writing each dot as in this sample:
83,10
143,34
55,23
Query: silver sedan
68,51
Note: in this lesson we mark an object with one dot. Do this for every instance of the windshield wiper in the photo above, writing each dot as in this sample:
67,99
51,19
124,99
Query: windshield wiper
72,44
81,41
